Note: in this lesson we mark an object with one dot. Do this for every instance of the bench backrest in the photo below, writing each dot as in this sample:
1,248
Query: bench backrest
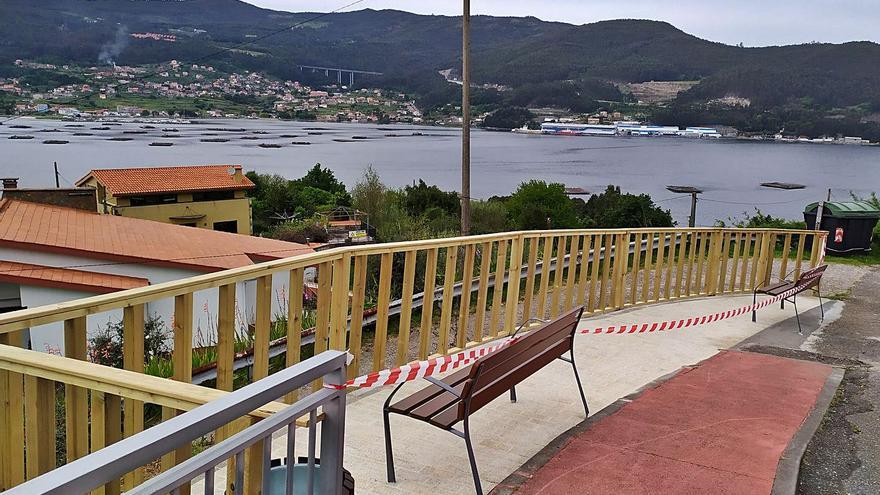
810,278
492,375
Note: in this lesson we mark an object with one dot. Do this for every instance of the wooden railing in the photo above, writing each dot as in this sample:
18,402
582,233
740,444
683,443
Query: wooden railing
430,297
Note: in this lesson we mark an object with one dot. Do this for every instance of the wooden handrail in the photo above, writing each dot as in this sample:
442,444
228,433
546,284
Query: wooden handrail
123,383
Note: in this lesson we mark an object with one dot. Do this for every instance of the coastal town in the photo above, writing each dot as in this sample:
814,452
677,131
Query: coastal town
177,90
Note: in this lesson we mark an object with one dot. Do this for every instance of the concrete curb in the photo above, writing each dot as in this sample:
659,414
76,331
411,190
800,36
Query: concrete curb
789,466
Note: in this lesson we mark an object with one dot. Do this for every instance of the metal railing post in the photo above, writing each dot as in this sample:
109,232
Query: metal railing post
333,436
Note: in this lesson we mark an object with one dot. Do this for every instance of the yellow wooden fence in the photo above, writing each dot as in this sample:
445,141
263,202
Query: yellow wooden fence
474,289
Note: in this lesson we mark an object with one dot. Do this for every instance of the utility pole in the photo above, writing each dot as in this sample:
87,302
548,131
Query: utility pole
692,220
466,119
693,191
820,211
57,182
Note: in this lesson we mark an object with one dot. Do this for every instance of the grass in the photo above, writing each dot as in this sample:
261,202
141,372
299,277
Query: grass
862,259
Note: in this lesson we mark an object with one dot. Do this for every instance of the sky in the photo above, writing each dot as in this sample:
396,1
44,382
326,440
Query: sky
751,22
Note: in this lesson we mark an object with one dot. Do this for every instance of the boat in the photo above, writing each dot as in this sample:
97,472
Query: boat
19,136
315,133
260,132
83,134
269,145
134,132
100,128
160,143
250,138
120,139
301,143
170,130
19,126
55,141
214,140
288,136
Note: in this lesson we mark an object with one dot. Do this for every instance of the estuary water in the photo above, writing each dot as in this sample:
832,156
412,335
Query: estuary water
729,171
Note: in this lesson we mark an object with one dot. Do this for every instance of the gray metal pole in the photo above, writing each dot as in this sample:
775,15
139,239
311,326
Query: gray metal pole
692,221
820,211
466,119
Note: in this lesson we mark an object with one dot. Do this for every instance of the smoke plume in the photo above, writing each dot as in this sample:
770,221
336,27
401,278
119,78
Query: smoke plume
111,50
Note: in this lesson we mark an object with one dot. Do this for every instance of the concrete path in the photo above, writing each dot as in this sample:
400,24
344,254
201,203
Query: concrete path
719,427
506,435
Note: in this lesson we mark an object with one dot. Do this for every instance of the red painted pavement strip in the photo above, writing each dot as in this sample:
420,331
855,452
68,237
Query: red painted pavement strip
719,427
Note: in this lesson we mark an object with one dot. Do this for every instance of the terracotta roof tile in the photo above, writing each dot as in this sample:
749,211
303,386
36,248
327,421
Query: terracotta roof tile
67,278
157,180
79,232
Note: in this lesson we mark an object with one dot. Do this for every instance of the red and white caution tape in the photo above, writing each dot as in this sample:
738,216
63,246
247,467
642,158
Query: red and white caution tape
442,364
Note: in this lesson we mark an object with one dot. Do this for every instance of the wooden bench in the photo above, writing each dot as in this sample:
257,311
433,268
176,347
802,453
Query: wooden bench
807,280
452,399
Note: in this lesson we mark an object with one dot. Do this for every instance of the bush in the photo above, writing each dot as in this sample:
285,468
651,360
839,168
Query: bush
760,220
106,346
300,231
488,217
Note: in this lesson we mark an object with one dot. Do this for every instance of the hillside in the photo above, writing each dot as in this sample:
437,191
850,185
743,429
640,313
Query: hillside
546,63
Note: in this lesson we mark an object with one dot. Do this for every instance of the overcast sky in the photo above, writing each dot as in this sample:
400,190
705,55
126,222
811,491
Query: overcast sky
752,22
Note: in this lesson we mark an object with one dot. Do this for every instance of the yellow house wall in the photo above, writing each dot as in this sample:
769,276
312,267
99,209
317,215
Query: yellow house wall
214,211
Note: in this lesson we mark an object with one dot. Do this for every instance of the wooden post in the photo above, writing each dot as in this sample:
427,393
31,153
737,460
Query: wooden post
76,401
464,305
357,314
382,311
546,256
428,302
448,298
530,278
133,360
294,323
498,289
513,276
409,275
483,290
557,276
12,421
39,409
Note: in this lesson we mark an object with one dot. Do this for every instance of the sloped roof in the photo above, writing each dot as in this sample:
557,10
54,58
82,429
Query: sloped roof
122,182
66,230
67,278
846,209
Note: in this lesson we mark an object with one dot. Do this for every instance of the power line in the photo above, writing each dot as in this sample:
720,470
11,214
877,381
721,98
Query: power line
218,52
752,203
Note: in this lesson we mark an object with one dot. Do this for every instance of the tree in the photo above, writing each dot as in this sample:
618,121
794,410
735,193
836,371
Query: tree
611,209
508,118
538,205
421,197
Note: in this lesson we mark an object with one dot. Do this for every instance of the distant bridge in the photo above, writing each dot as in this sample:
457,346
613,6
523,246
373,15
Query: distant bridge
339,71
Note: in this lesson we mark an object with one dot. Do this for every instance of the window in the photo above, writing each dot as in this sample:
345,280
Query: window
230,226
154,199
213,195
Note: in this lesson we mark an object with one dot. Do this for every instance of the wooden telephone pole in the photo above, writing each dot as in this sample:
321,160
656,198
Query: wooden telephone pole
466,119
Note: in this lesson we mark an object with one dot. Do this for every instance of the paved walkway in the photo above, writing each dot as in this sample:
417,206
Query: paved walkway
507,435
719,427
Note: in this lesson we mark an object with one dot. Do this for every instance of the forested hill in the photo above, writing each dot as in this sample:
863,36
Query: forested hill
550,64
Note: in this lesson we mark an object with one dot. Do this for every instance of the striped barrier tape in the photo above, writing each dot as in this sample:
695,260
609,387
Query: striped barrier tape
442,364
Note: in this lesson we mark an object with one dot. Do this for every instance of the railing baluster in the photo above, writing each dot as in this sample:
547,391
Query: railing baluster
621,266
814,251
226,331
658,265
239,473
311,461
646,272
498,289
448,299
606,272
546,257
294,323
799,257
736,238
383,301
573,247
182,364
637,260
558,273
209,482
583,270
253,461
724,254
428,303
757,254
530,278
322,318
291,458
679,264
594,272
464,305
483,290
786,252
692,255
339,305
357,313
133,360
12,422
746,256
266,445
702,241
409,276
76,410
670,264
712,263
39,411
513,281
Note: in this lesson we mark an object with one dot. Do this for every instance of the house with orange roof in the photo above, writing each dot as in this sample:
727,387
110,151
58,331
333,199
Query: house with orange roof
206,196
51,254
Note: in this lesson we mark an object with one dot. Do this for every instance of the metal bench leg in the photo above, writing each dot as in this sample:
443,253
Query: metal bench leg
797,315
389,454
754,302
577,379
470,450
821,306
513,394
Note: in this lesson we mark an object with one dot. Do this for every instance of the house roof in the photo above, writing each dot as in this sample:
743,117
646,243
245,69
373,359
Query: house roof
42,227
122,182
67,278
